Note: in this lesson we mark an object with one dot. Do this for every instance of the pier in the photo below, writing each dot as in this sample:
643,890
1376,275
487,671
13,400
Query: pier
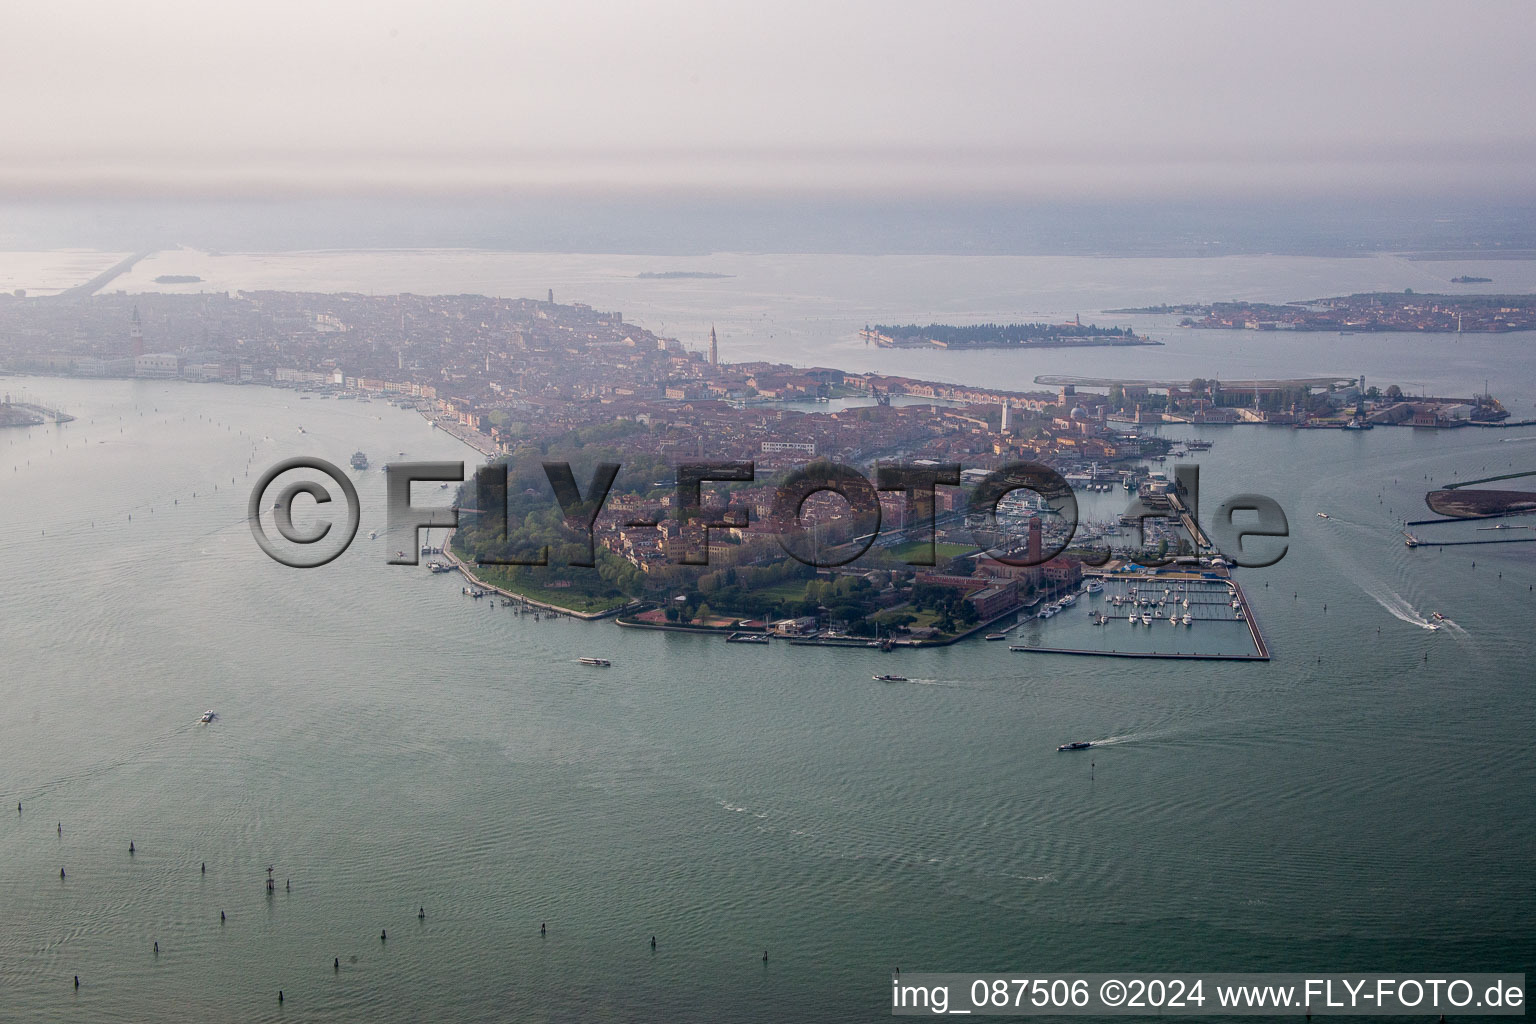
1166,656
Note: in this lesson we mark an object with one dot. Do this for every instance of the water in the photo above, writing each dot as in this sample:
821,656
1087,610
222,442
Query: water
387,744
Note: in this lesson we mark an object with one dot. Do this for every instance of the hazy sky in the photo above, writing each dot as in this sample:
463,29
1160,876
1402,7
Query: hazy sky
232,97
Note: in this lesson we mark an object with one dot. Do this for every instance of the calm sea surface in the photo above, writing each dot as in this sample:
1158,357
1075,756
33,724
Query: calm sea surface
1364,801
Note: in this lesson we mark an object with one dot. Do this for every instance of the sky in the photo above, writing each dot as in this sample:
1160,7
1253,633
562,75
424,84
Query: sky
1029,100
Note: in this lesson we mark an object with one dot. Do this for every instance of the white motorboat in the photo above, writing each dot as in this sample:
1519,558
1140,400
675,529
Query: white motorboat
208,716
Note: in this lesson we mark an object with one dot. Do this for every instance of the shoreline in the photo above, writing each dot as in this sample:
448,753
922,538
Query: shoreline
465,570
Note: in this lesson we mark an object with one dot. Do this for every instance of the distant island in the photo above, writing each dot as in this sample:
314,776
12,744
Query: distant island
177,279
676,275
1037,335
1405,311
1469,279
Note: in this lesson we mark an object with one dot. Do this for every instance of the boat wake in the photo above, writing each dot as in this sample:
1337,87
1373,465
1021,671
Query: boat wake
1110,741
734,809
1399,608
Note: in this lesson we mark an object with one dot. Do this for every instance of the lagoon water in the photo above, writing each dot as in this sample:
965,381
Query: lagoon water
1362,802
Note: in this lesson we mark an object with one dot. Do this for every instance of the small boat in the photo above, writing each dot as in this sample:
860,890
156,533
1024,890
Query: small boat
1188,619
1017,647
1438,617
1093,587
373,534
1322,515
594,662
888,678
1068,601
359,460
997,636
1079,745
1146,620
208,716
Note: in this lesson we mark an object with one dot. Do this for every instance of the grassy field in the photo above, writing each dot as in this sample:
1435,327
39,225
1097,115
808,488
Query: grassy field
926,617
942,551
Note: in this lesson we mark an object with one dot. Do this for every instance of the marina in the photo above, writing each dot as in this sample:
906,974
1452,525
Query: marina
1155,614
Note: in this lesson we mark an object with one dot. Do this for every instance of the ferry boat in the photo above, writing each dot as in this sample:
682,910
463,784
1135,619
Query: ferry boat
888,678
997,636
1078,745
359,460
439,567
1068,601
594,662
